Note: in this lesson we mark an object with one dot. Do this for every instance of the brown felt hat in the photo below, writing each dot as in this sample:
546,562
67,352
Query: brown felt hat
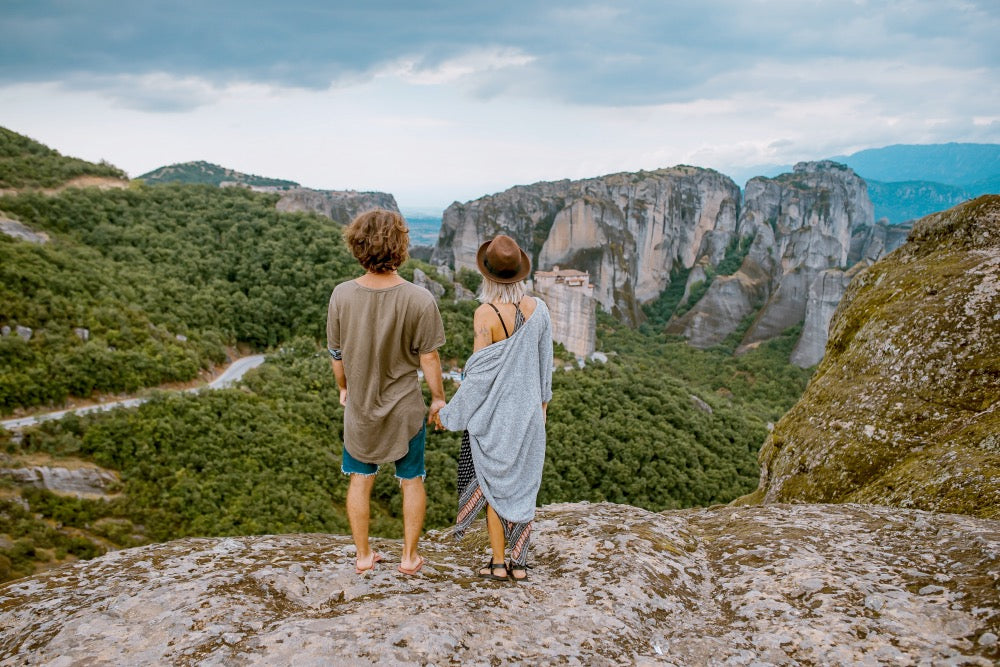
502,260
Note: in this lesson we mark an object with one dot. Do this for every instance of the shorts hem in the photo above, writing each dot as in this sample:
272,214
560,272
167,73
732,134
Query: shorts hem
363,474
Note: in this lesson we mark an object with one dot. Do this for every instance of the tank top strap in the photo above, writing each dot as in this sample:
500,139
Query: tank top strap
505,332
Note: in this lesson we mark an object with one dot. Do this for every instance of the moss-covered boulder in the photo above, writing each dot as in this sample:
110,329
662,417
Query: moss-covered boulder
905,408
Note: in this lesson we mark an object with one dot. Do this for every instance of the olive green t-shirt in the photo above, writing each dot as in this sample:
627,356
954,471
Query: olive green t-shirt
381,334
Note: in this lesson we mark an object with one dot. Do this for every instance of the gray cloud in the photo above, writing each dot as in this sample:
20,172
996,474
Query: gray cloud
623,53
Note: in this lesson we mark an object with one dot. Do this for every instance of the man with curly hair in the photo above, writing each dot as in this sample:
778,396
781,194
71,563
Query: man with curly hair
380,329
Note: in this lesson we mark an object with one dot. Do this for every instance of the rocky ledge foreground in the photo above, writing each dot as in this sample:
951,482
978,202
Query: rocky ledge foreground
779,584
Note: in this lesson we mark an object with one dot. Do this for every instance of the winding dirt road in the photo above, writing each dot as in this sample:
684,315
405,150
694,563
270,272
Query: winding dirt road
232,374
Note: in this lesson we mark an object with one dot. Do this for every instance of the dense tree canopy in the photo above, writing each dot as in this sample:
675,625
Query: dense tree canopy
162,279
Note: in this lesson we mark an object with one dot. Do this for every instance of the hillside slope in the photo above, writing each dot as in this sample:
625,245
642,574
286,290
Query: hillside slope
25,163
206,173
338,205
115,290
905,408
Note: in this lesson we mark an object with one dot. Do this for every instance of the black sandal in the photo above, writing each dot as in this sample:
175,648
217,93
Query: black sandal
513,567
493,566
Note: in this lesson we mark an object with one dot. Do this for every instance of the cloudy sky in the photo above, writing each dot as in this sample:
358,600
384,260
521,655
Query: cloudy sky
450,100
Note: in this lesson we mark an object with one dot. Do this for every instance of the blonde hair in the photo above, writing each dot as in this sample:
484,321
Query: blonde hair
379,240
491,290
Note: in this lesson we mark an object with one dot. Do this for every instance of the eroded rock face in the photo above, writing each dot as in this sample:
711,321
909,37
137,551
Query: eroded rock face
631,231
803,224
628,231
904,410
612,584
824,294
339,205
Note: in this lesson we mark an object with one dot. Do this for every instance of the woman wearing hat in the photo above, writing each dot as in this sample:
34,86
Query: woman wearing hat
501,406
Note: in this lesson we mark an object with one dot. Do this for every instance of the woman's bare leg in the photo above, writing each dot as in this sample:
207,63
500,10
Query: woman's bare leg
495,529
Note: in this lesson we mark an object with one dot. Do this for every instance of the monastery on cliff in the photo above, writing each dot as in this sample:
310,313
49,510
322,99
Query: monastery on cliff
569,295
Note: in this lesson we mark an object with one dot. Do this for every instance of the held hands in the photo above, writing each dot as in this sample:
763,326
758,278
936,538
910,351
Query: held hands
434,417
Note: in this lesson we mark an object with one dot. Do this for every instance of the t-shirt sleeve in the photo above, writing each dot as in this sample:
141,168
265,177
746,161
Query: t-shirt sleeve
333,325
429,333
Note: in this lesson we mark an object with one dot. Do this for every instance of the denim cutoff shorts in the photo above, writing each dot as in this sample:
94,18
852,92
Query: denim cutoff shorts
410,466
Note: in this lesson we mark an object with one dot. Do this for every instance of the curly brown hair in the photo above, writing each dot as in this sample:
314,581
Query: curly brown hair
379,239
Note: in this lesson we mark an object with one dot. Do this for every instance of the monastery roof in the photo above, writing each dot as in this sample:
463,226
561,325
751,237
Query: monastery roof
561,273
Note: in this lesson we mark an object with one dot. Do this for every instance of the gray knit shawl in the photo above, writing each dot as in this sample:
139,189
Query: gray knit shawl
500,403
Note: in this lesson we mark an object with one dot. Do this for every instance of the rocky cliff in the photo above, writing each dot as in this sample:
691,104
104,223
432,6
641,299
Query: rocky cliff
904,410
611,584
628,231
339,205
807,233
634,233
570,298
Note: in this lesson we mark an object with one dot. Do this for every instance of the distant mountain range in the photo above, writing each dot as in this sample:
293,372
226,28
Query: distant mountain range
905,181
909,181
968,166
212,174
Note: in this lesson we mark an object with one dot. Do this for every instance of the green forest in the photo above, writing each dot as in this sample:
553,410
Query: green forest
169,280
25,163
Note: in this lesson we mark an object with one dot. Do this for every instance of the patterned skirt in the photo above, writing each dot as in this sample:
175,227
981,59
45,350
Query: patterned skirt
471,500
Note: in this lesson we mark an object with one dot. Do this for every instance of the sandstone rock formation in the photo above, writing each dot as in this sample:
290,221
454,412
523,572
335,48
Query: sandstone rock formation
867,245
776,585
904,410
809,229
339,205
632,232
570,298
628,230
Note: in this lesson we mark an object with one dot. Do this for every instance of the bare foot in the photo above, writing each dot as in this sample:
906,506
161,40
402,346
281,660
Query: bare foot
411,567
366,564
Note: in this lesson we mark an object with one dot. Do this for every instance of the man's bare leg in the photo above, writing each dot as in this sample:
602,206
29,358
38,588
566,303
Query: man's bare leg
359,492
414,510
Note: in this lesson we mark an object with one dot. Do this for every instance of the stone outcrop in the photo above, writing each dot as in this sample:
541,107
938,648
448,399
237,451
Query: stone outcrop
824,294
22,232
809,229
904,409
868,244
82,482
339,205
628,230
611,584
421,279
570,297
633,232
